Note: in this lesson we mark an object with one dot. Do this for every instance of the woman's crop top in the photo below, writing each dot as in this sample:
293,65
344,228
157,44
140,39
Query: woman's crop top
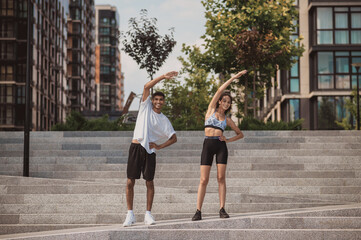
213,122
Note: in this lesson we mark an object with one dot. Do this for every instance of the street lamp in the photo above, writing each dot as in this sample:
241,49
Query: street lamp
27,94
357,66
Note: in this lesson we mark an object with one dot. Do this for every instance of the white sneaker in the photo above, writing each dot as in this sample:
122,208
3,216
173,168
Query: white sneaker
129,220
149,219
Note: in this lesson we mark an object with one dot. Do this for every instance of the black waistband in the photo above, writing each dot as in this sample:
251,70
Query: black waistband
211,126
212,137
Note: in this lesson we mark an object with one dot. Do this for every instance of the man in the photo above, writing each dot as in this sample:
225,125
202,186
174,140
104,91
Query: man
150,127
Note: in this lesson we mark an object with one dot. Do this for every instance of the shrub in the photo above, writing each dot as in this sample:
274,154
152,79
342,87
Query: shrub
254,124
76,122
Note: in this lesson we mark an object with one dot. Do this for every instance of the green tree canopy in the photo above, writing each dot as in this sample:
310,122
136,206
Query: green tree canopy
228,38
145,45
187,101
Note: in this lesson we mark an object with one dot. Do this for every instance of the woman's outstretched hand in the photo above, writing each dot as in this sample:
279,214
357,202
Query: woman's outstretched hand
170,74
239,74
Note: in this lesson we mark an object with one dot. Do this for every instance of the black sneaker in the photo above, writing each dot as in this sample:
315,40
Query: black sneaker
197,216
223,213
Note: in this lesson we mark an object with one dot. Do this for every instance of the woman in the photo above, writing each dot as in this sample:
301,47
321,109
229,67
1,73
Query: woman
215,144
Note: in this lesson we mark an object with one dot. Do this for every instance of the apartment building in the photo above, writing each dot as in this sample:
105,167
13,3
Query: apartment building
81,55
108,73
48,75
317,86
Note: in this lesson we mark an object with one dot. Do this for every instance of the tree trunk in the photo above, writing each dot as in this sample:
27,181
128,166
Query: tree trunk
151,90
221,78
254,96
246,97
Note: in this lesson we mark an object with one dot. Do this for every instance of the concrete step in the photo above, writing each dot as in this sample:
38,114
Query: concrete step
271,225
195,153
91,134
331,197
295,190
159,197
186,181
84,171
19,180
186,160
26,209
179,146
27,228
81,214
178,234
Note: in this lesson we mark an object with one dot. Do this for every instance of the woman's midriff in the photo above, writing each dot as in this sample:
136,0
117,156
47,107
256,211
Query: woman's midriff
210,132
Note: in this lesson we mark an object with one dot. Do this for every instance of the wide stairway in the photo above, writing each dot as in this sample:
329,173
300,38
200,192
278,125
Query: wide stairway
78,180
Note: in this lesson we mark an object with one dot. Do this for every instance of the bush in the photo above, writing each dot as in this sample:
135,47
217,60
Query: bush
254,124
76,122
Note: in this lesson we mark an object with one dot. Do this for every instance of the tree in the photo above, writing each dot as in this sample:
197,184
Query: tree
351,107
253,51
187,101
145,45
230,21
326,114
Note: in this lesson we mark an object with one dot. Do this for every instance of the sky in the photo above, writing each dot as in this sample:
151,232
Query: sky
185,16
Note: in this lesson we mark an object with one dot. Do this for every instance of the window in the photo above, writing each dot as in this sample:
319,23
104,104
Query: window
6,50
104,93
105,20
295,78
6,73
21,72
104,30
104,69
331,109
105,50
105,40
75,14
105,60
23,9
338,25
20,94
6,93
6,114
7,8
76,28
294,109
6,28
334,71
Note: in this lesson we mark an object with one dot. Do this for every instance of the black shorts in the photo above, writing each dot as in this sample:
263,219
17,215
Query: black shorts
140,161
213,147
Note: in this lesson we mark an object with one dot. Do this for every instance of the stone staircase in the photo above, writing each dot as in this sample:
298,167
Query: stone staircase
78,178
322,223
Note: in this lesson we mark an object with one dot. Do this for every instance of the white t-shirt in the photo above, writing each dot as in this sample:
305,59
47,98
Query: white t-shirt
151,126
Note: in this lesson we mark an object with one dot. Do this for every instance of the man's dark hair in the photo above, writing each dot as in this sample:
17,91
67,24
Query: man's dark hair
158,94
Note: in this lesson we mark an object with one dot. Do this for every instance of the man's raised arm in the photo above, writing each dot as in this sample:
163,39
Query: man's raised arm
152,83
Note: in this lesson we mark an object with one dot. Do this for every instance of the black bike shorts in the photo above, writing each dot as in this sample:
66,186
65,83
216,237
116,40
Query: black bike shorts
211,147
140,161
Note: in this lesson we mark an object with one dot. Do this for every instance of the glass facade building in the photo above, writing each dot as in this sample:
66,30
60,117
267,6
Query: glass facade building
321,81
81,55
48,70
109,80
63,61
